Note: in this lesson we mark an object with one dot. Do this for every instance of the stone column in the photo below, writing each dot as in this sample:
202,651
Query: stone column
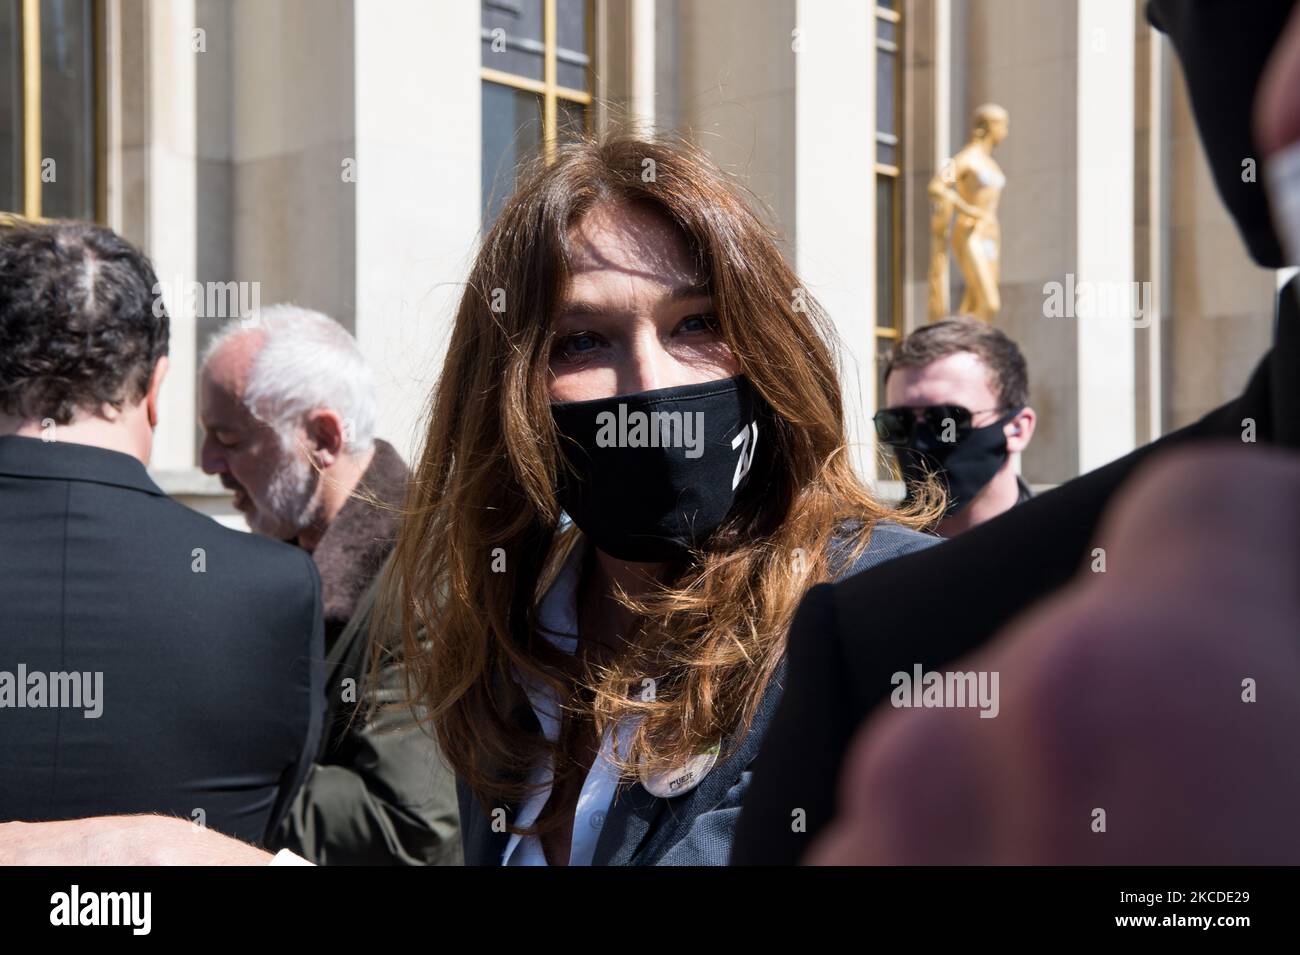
834,185
150,131
1105,222
1065,73
417,193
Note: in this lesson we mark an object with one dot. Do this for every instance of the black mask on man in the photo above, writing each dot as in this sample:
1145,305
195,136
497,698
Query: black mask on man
653,474
963,466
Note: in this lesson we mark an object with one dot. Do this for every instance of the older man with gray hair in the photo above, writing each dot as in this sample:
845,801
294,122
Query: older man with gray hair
288,409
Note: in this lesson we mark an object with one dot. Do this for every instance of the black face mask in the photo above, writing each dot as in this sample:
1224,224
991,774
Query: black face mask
653,474
963,466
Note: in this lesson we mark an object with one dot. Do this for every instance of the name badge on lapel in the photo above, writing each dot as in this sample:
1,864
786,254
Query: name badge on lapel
680,779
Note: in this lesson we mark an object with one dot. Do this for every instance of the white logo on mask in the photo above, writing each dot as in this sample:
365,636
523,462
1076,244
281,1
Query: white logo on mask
747,448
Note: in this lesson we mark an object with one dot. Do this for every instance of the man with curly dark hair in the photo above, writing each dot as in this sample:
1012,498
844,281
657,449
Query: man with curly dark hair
151,660
82,330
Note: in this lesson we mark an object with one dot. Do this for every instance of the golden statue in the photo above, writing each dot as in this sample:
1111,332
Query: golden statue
970,183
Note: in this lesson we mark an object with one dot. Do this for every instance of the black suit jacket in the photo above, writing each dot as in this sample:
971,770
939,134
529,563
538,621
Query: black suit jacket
208,641
932,608
695,828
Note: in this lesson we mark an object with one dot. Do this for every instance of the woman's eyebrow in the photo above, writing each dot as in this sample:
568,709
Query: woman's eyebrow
581,308
702,289
584,309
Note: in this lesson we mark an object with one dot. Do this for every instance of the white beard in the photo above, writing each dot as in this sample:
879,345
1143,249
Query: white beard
291,502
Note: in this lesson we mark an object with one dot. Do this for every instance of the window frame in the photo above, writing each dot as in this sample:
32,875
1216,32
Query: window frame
894,172
548,87
885,337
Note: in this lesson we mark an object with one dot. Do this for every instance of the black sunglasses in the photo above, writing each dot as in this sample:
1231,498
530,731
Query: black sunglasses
894,425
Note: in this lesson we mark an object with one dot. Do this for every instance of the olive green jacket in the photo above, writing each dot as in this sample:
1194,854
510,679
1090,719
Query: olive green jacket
379,792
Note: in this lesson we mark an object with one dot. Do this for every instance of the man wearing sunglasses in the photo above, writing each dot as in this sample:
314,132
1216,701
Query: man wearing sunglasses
957,407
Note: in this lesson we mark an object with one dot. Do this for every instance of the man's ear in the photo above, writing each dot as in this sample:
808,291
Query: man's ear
326,436
155,389
1020,430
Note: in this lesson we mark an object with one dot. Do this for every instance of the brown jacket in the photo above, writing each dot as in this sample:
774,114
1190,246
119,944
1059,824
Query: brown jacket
360,538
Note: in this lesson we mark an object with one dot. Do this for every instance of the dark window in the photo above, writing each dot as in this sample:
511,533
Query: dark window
67,109
512,36
58,177
886,253
572,59
11,106
512,132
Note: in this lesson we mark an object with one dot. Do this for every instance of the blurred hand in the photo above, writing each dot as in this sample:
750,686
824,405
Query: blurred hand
1125,733
122,840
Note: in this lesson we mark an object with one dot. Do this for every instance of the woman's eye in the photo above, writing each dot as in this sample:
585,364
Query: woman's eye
576,344
699,323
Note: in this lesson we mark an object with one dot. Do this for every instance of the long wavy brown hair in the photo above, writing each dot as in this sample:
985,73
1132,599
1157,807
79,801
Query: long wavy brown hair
479,543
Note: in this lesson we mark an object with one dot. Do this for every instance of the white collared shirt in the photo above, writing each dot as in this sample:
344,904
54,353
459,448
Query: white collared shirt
557,616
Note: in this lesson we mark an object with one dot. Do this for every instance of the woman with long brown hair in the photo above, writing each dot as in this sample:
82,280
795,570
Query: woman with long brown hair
635,466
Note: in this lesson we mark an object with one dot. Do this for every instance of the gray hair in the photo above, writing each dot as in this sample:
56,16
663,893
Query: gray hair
307,362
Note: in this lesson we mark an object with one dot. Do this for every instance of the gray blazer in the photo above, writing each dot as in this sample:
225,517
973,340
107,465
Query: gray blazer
695,828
